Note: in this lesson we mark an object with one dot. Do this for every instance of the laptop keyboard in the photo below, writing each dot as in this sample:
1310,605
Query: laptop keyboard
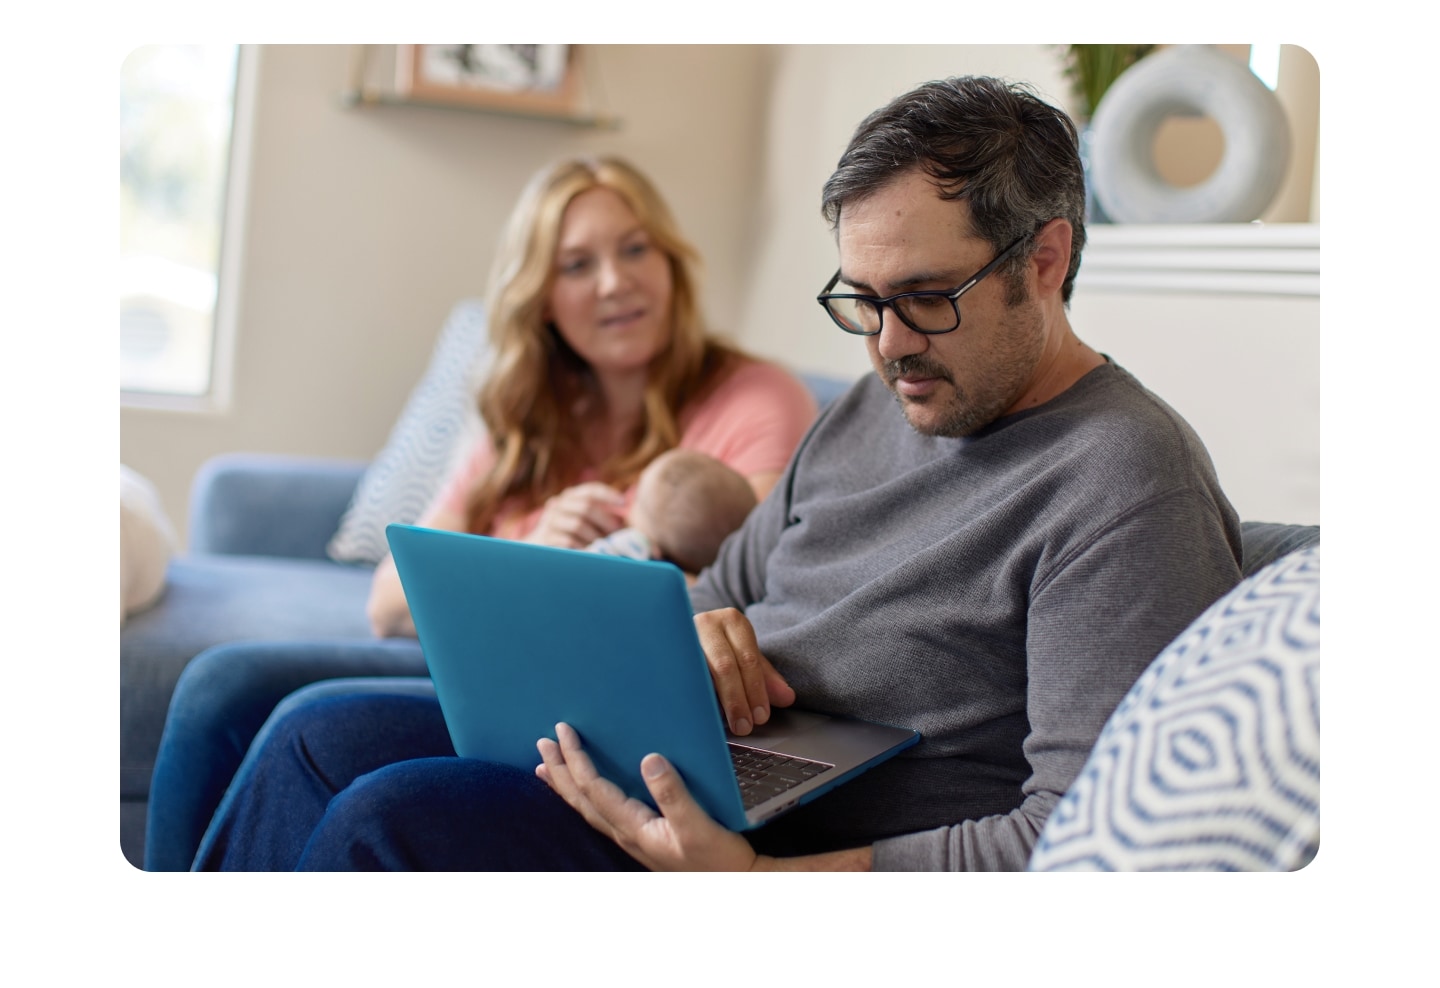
763,774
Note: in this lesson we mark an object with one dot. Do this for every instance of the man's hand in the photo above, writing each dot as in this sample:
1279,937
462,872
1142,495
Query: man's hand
579,515
745,681
681,837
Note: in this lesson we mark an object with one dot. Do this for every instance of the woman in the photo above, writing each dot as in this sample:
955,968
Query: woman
602,362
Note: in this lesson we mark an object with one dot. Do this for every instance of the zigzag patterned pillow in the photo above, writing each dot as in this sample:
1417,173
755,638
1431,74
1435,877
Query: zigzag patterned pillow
1212,760
436,427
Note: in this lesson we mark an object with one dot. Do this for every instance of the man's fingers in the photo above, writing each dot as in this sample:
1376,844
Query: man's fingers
728,662
781,693
620,815
669,792
753,669
582,769
694,839
745,682
557,774
681,836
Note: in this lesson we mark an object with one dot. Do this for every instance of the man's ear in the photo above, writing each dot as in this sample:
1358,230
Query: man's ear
1052,256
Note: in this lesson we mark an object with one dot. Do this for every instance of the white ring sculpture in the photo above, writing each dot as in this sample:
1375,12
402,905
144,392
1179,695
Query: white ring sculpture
1187,80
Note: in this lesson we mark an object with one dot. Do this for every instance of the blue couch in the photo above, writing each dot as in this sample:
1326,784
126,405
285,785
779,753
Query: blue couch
256,570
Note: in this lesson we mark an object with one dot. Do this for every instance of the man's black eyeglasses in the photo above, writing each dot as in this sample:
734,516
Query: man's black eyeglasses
930,313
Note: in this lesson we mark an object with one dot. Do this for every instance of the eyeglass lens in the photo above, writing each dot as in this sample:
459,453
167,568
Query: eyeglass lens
927,313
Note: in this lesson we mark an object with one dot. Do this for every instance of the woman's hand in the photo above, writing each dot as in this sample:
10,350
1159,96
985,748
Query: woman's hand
579,515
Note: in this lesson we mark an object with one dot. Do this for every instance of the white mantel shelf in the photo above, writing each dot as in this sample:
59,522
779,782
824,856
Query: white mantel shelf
1228,258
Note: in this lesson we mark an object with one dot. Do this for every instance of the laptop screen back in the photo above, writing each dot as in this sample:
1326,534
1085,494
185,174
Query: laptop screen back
518,637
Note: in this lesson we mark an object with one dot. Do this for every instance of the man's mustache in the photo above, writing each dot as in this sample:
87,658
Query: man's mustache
915,365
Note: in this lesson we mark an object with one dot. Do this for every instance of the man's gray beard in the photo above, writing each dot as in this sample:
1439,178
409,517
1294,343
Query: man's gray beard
965,414
960,416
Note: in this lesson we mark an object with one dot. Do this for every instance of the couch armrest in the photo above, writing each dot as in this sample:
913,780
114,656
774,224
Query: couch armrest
1264,542
257,504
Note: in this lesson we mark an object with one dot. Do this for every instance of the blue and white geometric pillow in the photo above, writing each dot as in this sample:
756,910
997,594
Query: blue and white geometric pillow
436,428
1212,760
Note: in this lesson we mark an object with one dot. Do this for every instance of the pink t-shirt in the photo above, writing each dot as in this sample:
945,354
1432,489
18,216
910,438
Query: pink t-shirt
752,423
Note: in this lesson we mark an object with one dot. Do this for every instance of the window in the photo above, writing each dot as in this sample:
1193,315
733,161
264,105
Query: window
177,122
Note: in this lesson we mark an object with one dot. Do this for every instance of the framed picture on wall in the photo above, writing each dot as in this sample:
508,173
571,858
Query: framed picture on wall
520,78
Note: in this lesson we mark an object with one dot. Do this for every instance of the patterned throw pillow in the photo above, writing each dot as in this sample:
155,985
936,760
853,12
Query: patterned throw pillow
436,428
1212,760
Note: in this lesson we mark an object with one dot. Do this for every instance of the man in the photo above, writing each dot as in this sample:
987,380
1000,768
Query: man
999,576
987,540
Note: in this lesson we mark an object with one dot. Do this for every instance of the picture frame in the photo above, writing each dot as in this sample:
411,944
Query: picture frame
534,79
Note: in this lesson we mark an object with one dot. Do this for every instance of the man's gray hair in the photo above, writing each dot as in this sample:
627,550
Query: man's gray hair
996,145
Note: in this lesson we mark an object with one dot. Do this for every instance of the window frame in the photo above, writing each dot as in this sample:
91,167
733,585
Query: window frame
218,397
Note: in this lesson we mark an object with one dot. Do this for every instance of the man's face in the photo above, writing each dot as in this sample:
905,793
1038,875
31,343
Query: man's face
905,238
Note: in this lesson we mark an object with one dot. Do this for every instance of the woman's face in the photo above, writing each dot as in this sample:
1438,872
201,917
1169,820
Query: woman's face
611,296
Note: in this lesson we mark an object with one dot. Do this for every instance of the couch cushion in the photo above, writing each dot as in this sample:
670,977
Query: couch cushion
1212,761
437,426
209,600
270,504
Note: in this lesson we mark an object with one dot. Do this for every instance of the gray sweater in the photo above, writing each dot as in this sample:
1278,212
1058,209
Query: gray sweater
998,593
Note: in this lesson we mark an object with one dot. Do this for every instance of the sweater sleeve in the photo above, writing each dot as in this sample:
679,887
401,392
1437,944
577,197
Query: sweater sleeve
737,577
1095,621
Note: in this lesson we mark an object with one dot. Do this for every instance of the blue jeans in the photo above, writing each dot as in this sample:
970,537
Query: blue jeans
220,702
345,780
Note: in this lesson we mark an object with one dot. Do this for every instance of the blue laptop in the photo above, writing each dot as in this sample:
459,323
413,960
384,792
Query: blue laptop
519,637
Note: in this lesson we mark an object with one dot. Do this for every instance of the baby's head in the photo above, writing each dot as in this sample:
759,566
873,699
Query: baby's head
687,503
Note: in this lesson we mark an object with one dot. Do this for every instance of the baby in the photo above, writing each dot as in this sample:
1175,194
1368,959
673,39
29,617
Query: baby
686,503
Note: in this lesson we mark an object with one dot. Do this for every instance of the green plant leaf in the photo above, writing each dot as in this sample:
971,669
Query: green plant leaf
1092,69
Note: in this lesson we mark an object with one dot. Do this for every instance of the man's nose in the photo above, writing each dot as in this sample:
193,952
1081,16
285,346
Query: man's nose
897,339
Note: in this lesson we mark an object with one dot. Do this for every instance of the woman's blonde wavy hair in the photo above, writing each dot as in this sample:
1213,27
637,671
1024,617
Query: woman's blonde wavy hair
538,389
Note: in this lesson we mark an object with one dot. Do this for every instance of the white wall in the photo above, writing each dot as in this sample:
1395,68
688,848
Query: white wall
366,225
1244,371
820,93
